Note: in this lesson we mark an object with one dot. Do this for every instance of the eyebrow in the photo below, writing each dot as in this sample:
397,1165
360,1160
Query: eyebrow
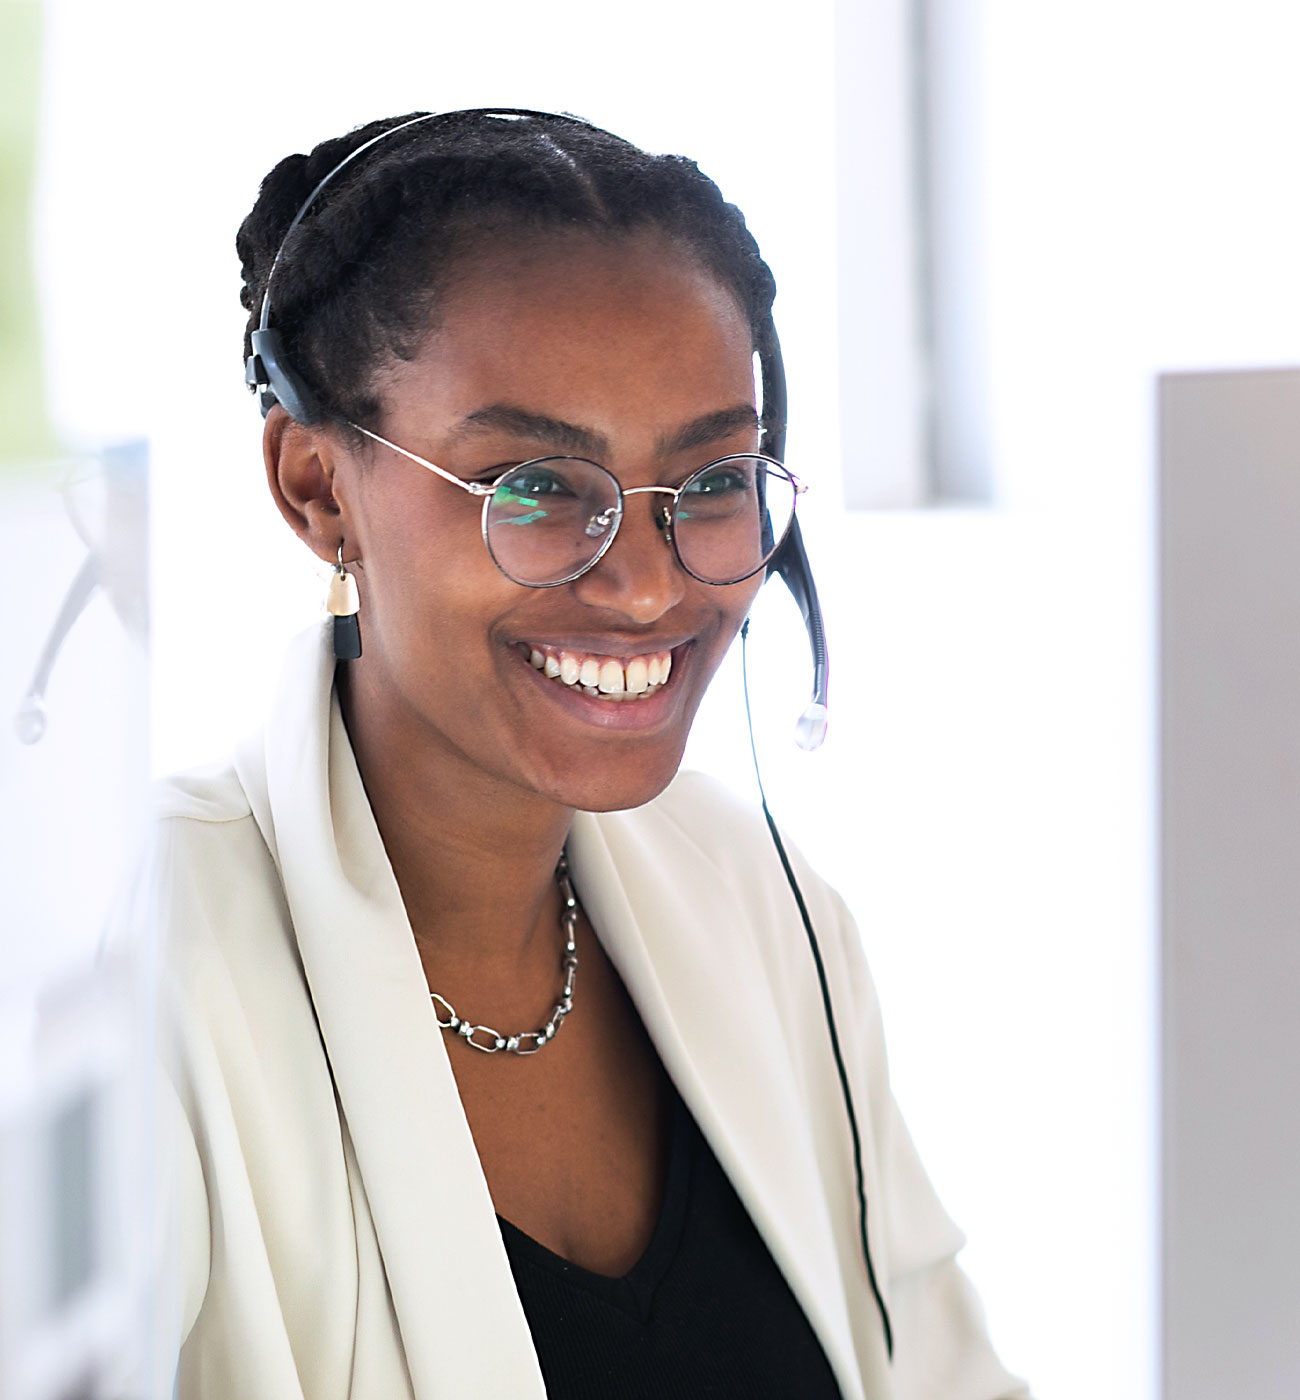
520,422
711,428
574,438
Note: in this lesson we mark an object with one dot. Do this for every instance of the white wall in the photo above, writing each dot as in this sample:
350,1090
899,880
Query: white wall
985,799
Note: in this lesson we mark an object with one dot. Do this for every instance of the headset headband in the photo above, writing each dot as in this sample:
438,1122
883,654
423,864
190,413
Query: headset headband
307,203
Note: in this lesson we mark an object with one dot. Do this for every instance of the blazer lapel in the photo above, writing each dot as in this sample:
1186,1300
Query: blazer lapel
432,1212
718,1032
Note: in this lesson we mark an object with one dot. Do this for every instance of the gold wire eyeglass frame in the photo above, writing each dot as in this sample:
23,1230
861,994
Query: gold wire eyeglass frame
487,489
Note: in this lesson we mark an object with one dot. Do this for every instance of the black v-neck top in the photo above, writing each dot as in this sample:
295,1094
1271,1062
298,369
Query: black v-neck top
704,1312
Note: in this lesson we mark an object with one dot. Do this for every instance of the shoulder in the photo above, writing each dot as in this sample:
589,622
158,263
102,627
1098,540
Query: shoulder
700,819
206,884
203,837
705,824
701,838
211,793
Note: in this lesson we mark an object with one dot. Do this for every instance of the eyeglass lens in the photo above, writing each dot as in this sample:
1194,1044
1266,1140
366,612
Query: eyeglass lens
548,520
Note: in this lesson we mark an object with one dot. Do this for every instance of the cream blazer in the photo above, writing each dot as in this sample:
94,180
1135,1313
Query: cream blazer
336,1235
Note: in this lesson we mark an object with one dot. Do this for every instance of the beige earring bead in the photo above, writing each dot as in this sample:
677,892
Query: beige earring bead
342,599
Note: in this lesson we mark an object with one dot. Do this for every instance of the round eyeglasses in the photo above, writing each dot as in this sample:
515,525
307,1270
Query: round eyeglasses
549,520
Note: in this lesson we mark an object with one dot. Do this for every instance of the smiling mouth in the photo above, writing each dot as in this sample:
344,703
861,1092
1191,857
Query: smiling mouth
608,678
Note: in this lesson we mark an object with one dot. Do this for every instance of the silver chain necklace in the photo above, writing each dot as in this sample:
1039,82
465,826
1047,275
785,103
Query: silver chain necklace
493,1041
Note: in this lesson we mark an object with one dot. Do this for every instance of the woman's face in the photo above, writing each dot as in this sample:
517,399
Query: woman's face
626,352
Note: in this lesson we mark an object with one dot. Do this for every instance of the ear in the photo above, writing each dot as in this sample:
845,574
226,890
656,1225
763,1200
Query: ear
301,464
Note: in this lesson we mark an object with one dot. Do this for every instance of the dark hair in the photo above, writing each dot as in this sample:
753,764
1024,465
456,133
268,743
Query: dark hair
358,280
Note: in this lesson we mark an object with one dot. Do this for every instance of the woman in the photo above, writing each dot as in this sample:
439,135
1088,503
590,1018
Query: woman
461,831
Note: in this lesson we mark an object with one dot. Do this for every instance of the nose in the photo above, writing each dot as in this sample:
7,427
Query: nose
638,576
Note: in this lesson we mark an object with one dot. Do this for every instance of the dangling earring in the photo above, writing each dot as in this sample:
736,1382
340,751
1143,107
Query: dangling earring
342,601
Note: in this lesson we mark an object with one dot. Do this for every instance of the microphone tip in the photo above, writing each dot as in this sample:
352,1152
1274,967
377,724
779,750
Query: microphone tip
30,721
810,732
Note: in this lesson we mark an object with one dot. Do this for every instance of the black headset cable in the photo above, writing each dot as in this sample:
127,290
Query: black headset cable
826,1001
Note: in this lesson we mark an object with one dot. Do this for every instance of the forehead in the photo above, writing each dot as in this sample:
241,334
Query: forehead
629,335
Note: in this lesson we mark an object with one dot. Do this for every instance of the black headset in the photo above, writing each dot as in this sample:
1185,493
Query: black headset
269,372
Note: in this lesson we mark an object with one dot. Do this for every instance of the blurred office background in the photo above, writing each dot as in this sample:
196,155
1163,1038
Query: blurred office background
993,223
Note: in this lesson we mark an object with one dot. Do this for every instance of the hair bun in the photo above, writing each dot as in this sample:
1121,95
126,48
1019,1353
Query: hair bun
279,197
282,193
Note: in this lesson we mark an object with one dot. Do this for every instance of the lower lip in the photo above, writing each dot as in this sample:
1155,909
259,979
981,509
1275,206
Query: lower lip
615,715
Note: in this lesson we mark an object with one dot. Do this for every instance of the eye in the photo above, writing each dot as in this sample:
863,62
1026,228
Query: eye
719,481
529,484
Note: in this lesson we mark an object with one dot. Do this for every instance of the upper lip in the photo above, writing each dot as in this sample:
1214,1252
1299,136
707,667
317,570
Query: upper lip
619,648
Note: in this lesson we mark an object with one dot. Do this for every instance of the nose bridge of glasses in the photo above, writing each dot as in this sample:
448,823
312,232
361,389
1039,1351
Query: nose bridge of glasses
664,515
636,569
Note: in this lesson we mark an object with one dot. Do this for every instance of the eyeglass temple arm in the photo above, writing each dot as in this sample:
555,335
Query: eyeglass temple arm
475,488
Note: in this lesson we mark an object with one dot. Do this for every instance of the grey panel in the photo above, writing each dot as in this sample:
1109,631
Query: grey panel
1229,522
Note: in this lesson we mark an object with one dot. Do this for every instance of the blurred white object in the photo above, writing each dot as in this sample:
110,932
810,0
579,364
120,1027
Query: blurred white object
77,1249
107,504
72,1284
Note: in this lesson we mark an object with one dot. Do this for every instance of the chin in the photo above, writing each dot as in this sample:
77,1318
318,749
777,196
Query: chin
614,785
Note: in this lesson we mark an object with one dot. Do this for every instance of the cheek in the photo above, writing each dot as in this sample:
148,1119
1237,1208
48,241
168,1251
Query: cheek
734,602
437,619
428,584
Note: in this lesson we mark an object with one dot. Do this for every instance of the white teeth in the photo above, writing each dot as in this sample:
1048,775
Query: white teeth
604,676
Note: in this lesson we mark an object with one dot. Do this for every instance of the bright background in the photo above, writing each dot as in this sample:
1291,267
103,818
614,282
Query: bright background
985,799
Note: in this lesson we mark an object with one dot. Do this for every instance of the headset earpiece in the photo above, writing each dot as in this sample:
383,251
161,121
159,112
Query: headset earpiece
268,371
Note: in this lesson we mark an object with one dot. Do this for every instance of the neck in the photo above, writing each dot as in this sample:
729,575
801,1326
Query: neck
474,856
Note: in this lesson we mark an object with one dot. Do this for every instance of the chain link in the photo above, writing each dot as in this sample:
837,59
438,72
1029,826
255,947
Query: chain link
490,1041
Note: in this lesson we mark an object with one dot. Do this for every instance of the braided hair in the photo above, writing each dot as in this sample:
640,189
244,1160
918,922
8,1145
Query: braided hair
359,281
